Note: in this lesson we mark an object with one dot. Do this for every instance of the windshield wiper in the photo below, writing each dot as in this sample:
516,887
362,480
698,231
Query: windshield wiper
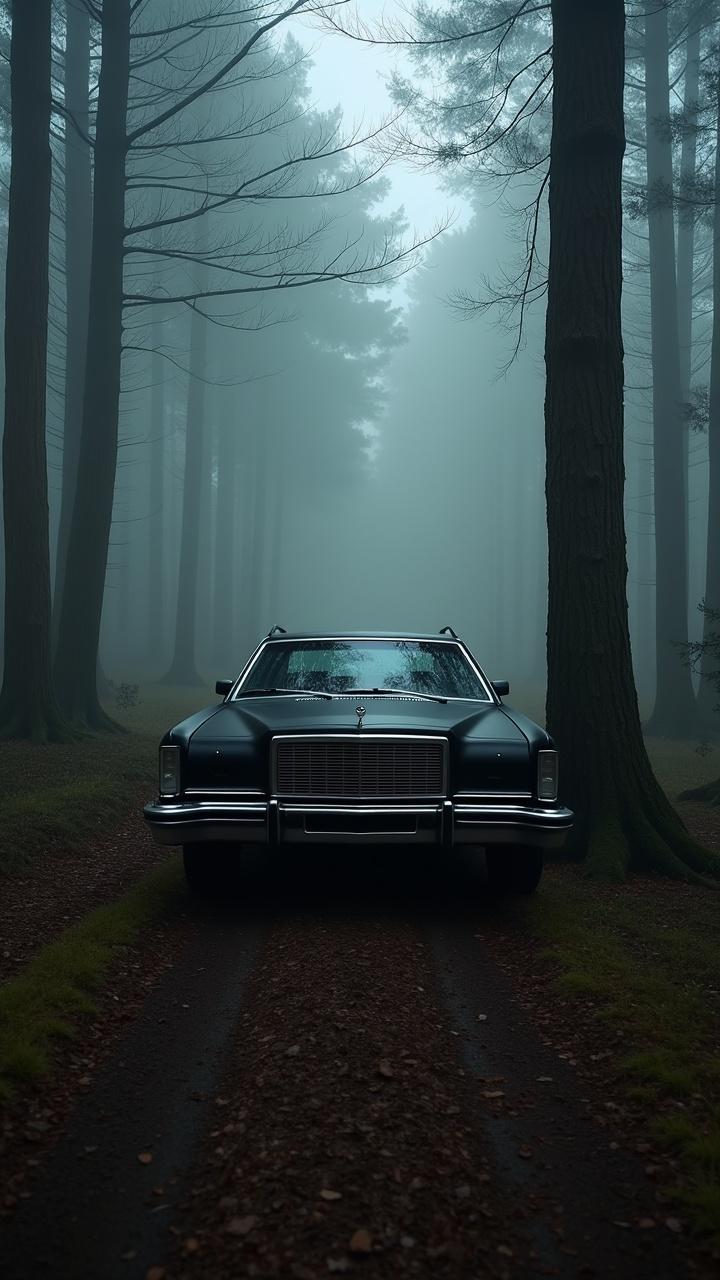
309,693
404,693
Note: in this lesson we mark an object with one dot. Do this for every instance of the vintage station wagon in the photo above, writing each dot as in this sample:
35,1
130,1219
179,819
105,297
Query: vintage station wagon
361,738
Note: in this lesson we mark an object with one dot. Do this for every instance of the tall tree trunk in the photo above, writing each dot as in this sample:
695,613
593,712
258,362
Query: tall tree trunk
686,278
276,548
622,815
226,558
78,236
675,712
81,607
686,216
708,691
156,522
252,595
27,703
244,632
183,669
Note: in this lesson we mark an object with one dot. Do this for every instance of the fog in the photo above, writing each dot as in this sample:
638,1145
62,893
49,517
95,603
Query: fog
316,427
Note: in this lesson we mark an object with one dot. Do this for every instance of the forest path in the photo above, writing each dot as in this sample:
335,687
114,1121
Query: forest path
334,1076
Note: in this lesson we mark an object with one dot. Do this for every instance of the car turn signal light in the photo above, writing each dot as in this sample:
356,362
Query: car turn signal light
169,771
547,775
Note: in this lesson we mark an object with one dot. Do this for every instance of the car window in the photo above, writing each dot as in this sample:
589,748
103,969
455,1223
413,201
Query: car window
336,666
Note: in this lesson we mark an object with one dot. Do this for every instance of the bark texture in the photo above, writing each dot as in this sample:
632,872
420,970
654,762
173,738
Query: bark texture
708,693
81,607
623,817
687,214
27,703
78,239
675,711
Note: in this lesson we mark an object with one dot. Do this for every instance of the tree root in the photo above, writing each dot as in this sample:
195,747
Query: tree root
648,837
607,854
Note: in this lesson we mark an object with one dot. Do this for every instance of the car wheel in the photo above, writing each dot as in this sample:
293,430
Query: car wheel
203,870
514,869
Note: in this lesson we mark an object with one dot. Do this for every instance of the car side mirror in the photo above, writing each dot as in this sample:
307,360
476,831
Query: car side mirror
501,687
223,687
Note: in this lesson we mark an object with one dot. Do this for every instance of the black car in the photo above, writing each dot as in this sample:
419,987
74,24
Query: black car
350,739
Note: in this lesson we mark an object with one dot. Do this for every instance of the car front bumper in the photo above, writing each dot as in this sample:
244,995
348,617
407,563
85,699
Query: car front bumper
274,822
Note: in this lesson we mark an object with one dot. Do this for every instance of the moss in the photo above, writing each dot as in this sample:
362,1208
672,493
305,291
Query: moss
56,991
647,977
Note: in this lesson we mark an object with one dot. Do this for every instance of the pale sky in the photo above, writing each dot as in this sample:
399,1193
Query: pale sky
353,74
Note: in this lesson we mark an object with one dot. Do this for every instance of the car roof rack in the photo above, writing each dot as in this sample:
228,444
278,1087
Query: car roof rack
272,631
444,631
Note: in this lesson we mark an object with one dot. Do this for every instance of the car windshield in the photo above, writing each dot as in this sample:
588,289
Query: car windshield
427,667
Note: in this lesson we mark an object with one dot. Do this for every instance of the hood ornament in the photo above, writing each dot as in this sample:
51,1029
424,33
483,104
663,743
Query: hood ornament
360,712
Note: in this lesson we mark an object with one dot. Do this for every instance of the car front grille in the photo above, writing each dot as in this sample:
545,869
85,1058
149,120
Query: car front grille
359,767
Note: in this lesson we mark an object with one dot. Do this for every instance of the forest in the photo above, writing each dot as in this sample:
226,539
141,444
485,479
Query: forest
353,319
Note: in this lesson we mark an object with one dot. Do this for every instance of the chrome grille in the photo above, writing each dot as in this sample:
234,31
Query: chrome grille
359,767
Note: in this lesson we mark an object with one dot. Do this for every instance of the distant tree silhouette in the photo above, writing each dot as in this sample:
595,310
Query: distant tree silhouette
27,703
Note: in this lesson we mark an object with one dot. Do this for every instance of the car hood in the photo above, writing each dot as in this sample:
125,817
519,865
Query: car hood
256,717
490,745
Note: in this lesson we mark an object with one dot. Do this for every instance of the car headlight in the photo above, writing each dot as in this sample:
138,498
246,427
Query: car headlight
169,771
547,783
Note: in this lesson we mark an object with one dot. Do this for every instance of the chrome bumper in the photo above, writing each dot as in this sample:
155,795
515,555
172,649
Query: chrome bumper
279,823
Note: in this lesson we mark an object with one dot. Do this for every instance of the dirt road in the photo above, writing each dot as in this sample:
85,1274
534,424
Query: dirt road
334,1076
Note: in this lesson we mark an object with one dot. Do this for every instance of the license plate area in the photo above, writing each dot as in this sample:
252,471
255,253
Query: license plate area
360,824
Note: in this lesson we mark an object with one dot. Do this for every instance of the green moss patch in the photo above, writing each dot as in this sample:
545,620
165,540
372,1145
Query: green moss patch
645,960
56,991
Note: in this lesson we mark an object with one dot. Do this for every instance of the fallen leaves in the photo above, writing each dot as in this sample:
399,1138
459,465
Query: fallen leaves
327,1194
145,1157
360,1241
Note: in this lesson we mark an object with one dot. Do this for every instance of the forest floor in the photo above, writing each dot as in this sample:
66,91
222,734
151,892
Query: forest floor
356,1066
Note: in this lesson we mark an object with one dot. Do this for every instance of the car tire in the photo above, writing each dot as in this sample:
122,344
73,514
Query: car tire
203,870
514,869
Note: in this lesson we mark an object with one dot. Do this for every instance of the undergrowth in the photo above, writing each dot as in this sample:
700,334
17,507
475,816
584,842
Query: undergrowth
58,796
658,982
52,996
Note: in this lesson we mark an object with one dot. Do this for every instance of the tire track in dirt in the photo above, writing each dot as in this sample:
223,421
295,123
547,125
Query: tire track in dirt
588,1209
319,1096
96,1210
345,1144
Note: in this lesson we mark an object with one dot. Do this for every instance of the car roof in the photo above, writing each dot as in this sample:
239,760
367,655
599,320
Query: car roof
359,635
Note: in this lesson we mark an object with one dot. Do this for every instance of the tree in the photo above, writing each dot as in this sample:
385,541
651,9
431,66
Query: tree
708,657
78,238
27,704
155,131
623,816
81,604
675,713
183,668
706,653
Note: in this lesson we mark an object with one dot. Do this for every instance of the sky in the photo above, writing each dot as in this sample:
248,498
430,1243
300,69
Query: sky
353,74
